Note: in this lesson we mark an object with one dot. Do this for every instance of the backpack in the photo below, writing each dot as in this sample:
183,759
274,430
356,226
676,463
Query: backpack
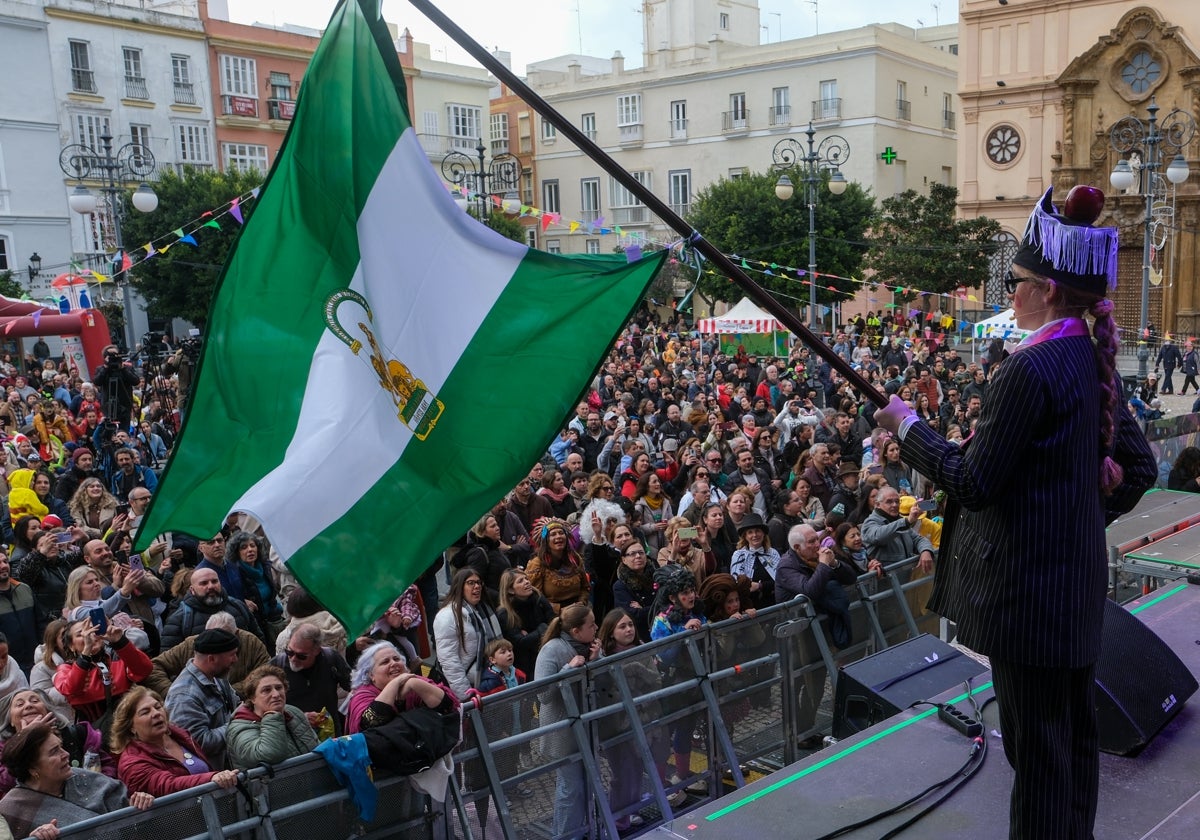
415,739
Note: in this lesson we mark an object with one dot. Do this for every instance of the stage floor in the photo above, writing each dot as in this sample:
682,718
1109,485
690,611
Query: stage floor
1153,795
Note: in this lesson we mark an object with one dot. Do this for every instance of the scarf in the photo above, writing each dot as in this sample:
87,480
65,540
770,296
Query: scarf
652,503
636,582
557,497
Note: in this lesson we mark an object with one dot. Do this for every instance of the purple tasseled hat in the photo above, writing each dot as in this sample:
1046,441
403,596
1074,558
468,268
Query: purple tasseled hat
1066,248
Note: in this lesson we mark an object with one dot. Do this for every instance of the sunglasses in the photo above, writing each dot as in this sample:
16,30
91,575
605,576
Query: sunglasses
295,654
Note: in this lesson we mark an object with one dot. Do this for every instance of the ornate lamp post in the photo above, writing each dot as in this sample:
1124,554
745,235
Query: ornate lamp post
482,178
788,154
1152,142
132,162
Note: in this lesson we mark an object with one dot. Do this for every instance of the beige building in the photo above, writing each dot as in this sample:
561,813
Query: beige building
1042,85
710,102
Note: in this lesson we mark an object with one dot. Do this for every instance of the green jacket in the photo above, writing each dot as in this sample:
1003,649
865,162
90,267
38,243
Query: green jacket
268,740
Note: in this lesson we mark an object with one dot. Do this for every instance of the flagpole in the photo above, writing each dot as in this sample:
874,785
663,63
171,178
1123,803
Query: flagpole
656,205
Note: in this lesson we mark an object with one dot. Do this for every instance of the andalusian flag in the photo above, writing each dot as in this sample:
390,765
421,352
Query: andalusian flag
380,368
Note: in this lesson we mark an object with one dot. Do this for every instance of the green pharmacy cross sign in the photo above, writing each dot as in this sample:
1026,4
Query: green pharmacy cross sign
888,155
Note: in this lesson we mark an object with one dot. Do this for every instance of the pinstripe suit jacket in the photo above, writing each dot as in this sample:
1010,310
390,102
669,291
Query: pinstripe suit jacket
1022,568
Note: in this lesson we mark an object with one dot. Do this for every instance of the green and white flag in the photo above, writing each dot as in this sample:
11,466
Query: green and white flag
380,368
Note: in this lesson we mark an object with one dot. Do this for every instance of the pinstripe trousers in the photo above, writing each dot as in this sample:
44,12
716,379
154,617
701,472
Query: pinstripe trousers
1048,723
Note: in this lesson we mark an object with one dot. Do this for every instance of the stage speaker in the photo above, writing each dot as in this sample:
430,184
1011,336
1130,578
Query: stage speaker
875,688
1140,683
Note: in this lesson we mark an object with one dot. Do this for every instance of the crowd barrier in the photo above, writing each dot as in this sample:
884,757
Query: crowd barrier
736,694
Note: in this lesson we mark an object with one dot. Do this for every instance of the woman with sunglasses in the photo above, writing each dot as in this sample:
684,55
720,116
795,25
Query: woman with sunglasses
1053,452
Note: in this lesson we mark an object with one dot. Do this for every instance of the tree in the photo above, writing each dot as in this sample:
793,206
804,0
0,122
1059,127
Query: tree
10,286
180,283
743,217
919,242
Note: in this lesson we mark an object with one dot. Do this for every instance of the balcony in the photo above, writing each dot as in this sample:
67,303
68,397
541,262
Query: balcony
630,215
135,88
281,109
679,129
589,216
185,93
630,133
948,120
827,109
590,133
682,211
780,115
83,81
903,110
733,121
499,147
239,106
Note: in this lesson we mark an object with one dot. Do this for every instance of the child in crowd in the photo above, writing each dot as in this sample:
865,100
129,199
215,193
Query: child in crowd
500,672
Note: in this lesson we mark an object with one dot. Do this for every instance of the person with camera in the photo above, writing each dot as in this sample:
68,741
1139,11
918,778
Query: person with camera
115,381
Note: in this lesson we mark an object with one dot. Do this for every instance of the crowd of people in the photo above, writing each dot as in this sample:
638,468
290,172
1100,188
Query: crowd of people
693,484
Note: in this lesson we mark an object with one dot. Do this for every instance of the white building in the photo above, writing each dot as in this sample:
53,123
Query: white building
711,102
34,220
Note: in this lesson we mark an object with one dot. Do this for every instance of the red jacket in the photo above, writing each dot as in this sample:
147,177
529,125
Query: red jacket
81,683
145,767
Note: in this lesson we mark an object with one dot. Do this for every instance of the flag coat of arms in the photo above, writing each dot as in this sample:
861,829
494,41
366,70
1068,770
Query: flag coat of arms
380,368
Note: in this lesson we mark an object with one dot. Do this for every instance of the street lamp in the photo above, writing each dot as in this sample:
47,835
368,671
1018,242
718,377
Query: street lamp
475,175
1149,140
131,162
35,266
789,154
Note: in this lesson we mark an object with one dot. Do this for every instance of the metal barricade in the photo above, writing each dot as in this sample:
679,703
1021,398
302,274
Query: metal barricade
570,755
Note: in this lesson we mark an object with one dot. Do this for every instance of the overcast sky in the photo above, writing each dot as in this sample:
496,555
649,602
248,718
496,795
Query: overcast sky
533,30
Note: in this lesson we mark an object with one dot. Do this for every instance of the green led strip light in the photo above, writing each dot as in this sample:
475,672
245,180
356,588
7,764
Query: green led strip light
1161,597
838,756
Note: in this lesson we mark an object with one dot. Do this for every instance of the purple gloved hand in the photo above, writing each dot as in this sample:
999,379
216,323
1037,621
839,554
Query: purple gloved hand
893,414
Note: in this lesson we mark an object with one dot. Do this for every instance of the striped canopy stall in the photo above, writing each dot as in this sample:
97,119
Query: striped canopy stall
745,317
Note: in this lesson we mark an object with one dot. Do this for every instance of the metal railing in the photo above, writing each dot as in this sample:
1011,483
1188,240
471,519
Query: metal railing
82,80
135,88
948,120
735,120
735,694
903,109
185,93
827,109
780,115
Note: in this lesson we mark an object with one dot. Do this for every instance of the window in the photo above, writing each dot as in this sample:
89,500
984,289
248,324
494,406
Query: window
465,125
903,106
191,144
550,200
589,199
947,176
679,123
679,190
89,128
735,117
499,133
1002,145
281,85
239,86
948,111
4,266
181,75
244,157
828,106
627,209
629,117
781,106
1141,72
553,246
588,123
549,132
82,78
527,186
135,80
723,20
239,76
736,172
523,133
593,246
531,237
431,142
139,134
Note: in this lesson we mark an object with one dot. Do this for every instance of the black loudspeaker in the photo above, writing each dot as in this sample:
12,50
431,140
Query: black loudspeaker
882,685
1140,683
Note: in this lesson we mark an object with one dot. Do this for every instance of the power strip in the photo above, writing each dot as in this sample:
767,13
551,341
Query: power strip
965,724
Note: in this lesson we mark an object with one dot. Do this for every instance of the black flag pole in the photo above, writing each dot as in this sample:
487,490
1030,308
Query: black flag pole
656,205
